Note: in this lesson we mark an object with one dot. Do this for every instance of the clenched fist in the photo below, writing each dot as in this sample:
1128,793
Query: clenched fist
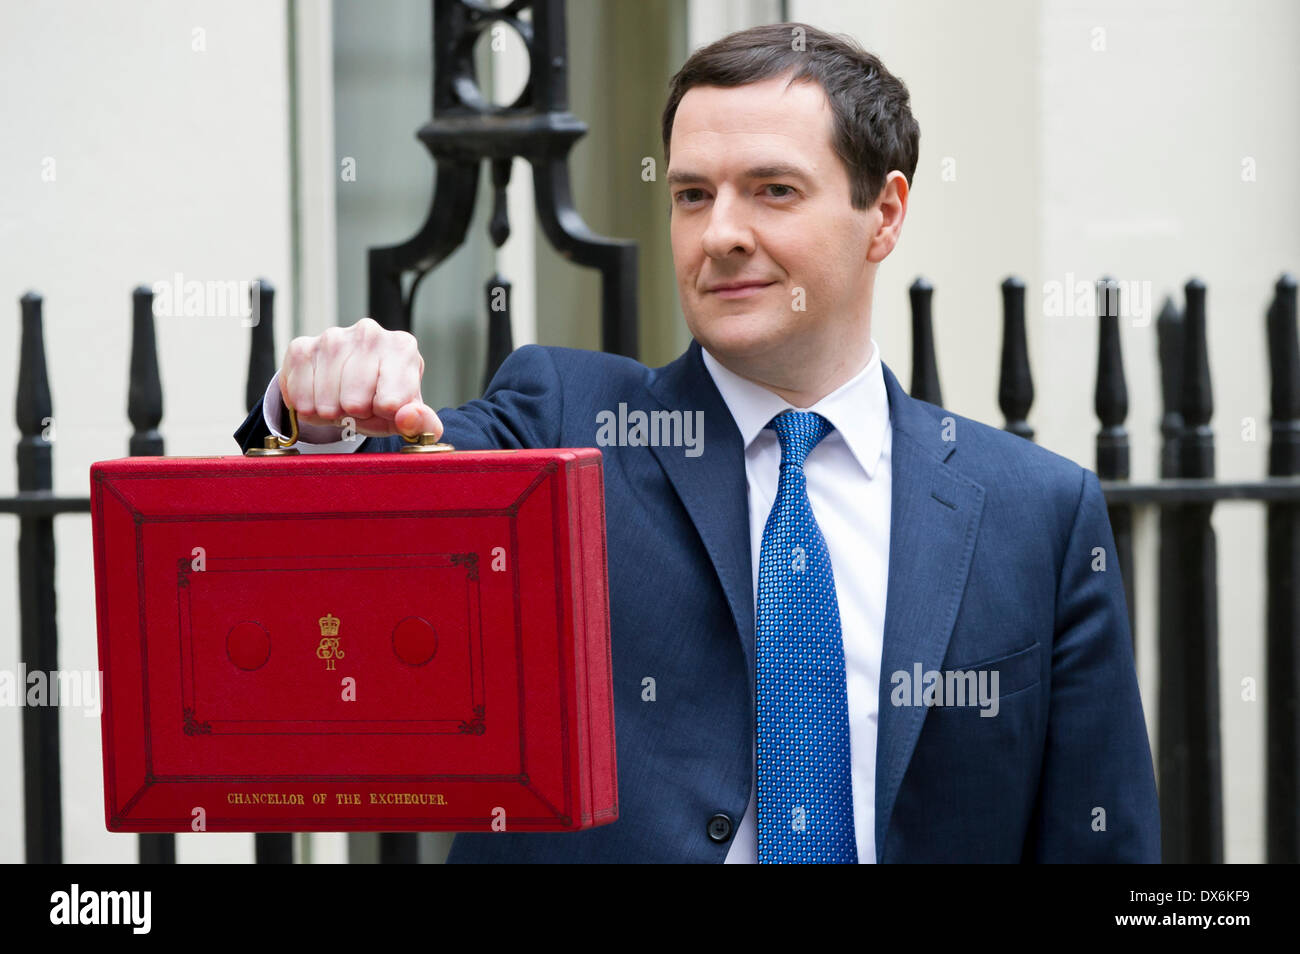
363,372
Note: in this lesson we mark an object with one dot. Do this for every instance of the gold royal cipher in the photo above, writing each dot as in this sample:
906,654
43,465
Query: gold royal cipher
329,649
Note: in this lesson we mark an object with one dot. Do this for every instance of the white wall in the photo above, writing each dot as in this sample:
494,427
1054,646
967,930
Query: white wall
166,159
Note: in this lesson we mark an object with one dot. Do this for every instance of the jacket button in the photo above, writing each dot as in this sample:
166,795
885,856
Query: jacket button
720,827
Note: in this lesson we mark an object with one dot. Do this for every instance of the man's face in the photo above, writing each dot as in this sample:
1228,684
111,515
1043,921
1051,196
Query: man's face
758,195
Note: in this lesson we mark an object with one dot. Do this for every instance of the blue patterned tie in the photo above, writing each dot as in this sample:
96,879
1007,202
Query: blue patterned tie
805,791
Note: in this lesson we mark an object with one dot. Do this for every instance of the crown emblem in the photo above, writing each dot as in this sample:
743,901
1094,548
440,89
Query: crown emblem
329,648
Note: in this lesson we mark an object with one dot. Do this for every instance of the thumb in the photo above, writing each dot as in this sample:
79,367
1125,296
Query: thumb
415,418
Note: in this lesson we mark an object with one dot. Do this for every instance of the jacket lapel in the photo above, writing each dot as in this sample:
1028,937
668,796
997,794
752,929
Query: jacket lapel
934,518
712,487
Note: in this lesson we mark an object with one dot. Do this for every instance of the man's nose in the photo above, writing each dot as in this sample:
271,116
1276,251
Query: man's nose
728,228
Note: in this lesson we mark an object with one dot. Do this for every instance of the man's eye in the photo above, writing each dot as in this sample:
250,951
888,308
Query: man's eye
775,185
685,195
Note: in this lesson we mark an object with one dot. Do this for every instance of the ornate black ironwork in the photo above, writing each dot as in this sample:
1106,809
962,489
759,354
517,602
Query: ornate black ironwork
466,129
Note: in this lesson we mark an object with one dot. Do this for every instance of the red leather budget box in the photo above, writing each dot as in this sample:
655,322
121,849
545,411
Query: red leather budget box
369,642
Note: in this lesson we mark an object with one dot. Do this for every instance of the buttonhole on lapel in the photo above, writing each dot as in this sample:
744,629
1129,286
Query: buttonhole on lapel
948,504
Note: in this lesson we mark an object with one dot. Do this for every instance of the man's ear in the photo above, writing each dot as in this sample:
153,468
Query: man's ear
891,208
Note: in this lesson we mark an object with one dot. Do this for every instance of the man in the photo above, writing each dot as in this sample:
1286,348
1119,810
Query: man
847,625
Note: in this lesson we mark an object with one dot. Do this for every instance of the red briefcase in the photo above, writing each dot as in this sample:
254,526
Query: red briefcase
366,642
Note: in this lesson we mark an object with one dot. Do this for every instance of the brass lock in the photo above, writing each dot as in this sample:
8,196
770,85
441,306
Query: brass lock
273,446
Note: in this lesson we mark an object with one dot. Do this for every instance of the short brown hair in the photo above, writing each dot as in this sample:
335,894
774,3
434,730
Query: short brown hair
873,129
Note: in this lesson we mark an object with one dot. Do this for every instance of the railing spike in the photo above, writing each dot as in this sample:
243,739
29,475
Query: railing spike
1196,400
144,401
925,368
1169,334
33,407
261,350
1016,384
1110,397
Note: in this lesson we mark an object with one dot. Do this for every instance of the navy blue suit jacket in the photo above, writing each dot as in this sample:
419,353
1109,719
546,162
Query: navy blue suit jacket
993,565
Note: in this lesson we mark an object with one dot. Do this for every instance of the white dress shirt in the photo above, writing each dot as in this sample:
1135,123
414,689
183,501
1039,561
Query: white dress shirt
848,478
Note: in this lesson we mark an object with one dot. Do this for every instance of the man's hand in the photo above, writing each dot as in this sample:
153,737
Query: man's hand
363,372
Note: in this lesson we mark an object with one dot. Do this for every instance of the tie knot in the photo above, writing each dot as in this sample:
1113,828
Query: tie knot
799,432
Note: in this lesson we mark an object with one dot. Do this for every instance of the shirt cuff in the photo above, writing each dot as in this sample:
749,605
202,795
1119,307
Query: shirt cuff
312,438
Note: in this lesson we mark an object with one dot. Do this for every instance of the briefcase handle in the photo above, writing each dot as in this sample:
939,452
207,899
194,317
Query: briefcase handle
273,446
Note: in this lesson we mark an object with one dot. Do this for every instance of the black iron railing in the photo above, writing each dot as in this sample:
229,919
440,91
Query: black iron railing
36,505
1189,747
467,130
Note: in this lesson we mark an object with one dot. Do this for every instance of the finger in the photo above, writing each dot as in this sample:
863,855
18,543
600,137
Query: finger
296,386
416,418
332,350
357,384
399,377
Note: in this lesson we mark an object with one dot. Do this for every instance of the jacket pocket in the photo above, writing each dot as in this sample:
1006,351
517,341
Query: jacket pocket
1016,671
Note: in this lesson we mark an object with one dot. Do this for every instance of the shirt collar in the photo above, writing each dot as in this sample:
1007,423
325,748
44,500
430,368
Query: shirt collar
859,408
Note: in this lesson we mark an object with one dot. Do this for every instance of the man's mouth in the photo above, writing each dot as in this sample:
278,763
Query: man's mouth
739,289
